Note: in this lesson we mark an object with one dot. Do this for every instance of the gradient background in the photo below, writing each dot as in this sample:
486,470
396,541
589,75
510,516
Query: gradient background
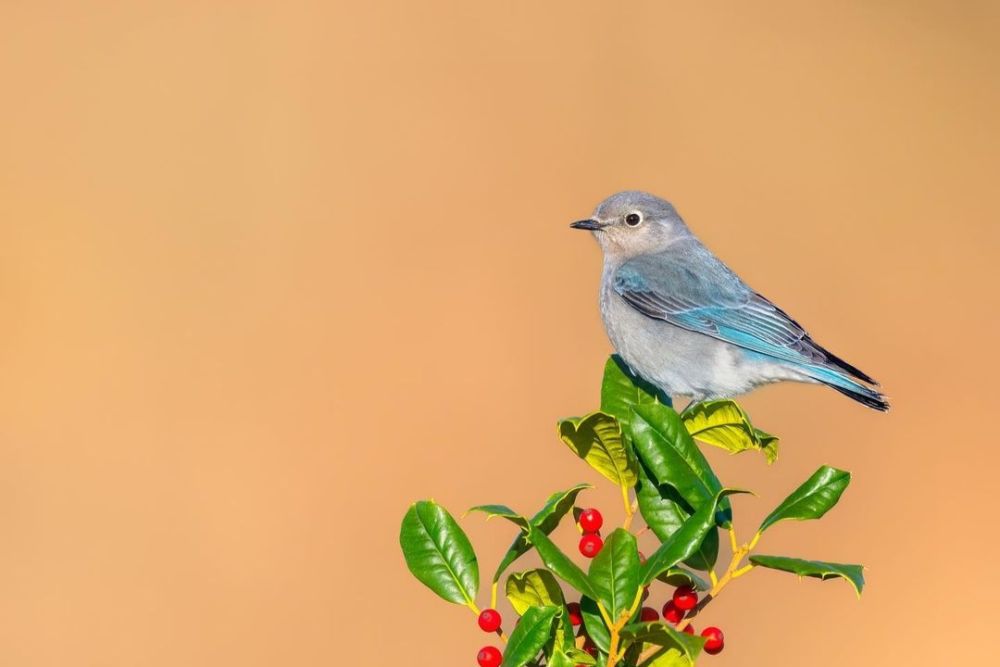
271,271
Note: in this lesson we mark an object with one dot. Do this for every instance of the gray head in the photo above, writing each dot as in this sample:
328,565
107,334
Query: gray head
634,223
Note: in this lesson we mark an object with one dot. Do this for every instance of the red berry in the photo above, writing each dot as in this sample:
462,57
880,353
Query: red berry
590,545
590,647
591,520
645,593
714,641
648,615
489,656
490,620
671,614
689,629
685,598
575,617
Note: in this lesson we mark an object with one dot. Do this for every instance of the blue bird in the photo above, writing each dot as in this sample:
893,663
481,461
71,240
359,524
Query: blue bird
682,320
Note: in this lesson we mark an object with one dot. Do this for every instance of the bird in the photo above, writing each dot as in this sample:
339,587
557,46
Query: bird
684,321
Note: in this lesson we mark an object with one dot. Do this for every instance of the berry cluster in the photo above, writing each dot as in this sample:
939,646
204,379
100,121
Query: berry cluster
684,599
490,621
590,523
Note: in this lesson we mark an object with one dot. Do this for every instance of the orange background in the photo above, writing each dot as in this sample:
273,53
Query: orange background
271,271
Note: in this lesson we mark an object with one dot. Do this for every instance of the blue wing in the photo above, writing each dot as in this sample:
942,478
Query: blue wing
689,287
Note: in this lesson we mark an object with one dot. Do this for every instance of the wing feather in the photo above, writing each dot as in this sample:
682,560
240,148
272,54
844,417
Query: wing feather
689,287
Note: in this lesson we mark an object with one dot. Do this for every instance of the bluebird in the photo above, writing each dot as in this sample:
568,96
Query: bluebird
682,320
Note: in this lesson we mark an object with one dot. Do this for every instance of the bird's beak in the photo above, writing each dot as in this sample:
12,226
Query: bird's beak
590,224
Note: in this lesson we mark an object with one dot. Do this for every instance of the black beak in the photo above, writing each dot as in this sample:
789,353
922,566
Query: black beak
591,225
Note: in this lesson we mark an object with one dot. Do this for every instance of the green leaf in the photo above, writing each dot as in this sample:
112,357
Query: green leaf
438,552
813,499
664,516
667,450
723,423
621,390
570,657
529,636
664,634
614,573
668,657
492,511
854,574
534,588
683,543
559,563
597,439
678,576
546,520
632,653
707,553
594,624
551,555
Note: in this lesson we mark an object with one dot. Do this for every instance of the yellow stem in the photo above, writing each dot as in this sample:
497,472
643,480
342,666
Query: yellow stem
604,614
615,628
493,595
613,648
629,513
733,571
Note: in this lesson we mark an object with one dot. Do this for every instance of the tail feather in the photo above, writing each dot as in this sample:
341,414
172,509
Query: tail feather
851,388
839,363
872,399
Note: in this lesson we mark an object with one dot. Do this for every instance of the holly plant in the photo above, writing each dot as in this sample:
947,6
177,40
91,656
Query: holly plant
573,615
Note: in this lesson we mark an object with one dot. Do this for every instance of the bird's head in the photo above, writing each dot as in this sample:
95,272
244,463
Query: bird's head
634,223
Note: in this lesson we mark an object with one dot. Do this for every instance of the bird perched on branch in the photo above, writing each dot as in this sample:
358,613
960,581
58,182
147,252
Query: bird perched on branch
682,320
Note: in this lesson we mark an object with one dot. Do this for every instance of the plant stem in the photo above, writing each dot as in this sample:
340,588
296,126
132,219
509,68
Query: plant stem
613,648
734,571
629,512
615,628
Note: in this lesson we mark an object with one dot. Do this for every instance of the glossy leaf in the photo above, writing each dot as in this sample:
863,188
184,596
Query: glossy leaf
621,390
670,455
438,553
597,439
813,499
668,657
594,624
664,516
664,634
553,558
570,657
546,520
534,588
529,636
853,574
723,423
707,553
560,563
678,576
683,543
614,573
492,511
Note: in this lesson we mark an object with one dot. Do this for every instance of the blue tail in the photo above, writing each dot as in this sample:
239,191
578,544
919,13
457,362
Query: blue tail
848,387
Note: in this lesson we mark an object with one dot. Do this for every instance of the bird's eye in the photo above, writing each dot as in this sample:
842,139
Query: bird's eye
633,219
